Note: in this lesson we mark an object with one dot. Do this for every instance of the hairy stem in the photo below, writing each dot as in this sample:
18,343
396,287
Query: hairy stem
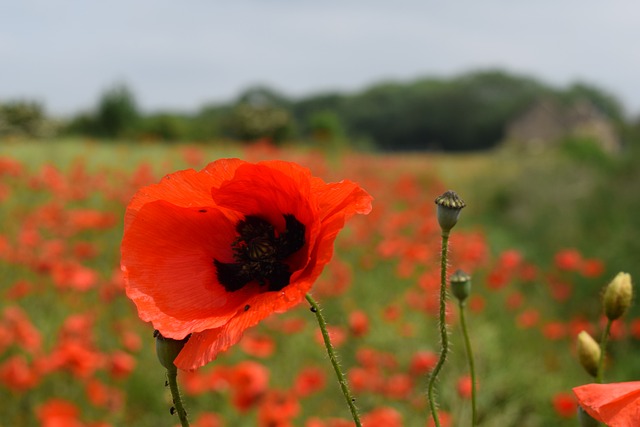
334,360
472,370
444,338
172,379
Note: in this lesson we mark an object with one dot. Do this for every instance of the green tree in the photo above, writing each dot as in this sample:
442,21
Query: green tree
24,118
117,113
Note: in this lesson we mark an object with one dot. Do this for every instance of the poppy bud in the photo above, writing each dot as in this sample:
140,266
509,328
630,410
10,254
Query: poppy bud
168,349
617,296
588,353
449,207
460,285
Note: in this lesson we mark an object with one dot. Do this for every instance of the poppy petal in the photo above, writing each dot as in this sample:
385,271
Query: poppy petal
345,196
271,193
203,347
186,188
616,404
168,257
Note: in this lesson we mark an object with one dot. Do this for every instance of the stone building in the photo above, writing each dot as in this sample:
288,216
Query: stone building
548,121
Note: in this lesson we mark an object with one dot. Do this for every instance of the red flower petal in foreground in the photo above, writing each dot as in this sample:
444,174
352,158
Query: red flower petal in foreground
209,254
616,405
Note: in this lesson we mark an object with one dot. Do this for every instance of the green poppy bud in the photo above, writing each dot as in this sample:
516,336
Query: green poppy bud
460,285
588,353
617,296
168,349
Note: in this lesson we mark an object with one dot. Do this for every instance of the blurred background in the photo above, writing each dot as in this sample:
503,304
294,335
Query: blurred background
391,76
530,111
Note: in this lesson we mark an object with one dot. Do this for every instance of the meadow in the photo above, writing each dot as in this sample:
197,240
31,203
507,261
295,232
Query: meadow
541,236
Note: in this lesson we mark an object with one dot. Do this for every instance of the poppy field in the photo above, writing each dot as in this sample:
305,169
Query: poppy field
74,351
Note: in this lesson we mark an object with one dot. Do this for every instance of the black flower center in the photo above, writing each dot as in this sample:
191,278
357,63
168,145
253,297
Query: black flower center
259,253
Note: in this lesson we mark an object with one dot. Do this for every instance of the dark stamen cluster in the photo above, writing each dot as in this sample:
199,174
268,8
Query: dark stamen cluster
259,253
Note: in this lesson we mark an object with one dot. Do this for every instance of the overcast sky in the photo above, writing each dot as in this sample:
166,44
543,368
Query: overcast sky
181,54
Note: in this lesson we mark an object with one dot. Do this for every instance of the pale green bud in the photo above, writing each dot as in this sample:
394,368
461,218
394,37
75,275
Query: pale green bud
588,353
617,296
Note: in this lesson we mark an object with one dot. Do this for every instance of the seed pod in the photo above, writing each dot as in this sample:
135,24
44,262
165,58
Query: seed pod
449,207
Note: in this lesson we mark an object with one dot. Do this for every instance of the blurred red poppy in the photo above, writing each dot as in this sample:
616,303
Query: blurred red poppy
616,404
209,254
58,413
249,381
382,416
565,404
308,381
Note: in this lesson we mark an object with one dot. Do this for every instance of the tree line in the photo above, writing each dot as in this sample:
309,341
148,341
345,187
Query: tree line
461,113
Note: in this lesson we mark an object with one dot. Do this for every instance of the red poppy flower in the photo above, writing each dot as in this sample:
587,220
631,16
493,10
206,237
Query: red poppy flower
616,405
208,254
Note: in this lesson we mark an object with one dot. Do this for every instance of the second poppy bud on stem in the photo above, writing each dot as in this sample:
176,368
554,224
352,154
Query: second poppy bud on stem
588,353
617,296
460,285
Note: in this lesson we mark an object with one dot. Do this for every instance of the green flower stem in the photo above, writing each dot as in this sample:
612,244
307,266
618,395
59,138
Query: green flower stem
472,370
603,350
172,378
444,338
334,360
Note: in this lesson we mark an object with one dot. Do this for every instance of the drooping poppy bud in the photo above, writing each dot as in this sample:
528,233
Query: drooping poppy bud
588,353
449,207
617,296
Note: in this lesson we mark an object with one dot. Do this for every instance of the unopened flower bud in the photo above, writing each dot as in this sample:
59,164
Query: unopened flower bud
460,285
449,207
588,353
617,296
168,349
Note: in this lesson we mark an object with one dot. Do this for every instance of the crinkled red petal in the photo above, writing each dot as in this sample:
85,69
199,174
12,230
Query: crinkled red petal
167,257
186,188
616,404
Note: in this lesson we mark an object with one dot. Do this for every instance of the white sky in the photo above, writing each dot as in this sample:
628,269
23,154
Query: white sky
181,54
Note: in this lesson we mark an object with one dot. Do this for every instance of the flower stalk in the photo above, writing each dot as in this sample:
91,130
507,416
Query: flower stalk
461,288
448,207
442,324
172,379
472,371
603,350
322,324
167,350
